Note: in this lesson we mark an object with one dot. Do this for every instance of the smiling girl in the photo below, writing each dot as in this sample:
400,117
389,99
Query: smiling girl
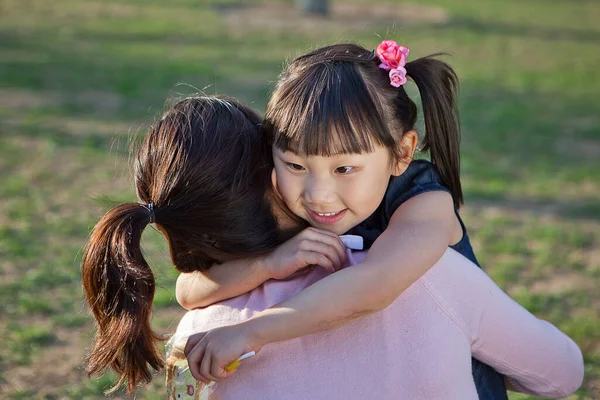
342,130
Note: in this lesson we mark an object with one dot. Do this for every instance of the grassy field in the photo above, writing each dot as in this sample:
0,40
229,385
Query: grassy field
80,79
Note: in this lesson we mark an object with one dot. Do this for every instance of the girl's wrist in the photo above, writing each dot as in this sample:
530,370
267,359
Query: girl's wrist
255,333
261,268
268,326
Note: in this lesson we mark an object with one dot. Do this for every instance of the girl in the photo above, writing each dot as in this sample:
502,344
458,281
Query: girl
182,175
342,130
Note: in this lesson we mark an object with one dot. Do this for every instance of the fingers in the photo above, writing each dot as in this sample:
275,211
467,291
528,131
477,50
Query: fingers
308,247
211,353
333,243
218,373
203,365
333,239
321,231
192,341
212,370
206,367
194,352
195,357
314,258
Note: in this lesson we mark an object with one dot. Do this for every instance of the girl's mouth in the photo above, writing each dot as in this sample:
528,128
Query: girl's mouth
327,218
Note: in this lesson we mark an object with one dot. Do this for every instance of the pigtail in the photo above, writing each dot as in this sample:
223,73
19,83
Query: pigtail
119,286
438,87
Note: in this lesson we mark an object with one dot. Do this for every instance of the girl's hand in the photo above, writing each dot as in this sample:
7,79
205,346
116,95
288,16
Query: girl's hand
208,353
309,247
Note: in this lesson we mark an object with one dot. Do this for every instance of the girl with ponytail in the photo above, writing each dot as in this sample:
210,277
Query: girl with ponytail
342,129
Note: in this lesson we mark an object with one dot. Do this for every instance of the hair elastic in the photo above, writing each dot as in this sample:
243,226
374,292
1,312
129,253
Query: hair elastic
150,208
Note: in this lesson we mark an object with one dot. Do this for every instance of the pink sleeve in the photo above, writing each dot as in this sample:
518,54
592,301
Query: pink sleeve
533,354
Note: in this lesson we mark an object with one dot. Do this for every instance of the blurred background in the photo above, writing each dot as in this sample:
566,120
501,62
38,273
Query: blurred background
80,80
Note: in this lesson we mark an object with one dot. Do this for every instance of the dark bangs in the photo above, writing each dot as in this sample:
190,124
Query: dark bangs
326,110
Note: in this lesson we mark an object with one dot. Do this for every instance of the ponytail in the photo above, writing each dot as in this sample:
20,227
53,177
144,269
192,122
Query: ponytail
438,87
119,286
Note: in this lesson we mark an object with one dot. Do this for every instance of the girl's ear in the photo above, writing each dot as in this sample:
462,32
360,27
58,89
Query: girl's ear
408,145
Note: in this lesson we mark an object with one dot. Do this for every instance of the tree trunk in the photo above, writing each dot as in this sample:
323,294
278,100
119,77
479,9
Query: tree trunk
320,7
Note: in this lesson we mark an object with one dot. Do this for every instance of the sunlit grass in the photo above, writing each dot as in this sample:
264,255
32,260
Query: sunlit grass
81,79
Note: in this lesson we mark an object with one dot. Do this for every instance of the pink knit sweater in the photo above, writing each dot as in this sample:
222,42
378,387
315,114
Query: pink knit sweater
420,347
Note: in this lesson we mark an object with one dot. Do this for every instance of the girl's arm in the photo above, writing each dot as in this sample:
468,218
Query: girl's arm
419,233
224,281
417,236
233,278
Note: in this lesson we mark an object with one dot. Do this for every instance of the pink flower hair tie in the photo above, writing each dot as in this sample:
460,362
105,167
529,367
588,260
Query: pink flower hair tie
393,59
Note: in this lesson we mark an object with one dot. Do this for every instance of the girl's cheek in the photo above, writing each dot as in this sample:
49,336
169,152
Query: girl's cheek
287,190
290,187
279,178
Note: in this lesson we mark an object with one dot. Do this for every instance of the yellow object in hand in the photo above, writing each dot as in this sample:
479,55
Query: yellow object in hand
232,366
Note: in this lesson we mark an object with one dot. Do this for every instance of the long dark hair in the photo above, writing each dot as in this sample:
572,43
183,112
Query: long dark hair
336,100
203,174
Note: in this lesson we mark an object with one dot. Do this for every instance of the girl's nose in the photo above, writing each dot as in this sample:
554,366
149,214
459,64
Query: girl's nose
320,196
317,192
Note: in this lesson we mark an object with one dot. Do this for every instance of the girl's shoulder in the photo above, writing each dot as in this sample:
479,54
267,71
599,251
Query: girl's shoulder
421,176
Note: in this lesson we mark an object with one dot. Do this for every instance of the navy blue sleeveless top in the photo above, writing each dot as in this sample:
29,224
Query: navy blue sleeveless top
421,176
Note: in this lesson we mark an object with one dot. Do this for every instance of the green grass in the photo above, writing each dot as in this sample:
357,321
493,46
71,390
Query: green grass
80,80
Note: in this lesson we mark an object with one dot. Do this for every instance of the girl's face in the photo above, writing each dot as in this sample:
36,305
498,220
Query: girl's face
334,193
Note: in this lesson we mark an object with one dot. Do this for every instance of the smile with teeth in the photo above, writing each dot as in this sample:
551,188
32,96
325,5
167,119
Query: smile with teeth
327,217
327,214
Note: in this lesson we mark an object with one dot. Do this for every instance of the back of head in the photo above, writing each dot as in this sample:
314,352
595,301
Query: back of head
202,175
337,100
206,168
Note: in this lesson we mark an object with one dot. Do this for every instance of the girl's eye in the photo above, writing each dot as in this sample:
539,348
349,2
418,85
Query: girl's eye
295,167
344,170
